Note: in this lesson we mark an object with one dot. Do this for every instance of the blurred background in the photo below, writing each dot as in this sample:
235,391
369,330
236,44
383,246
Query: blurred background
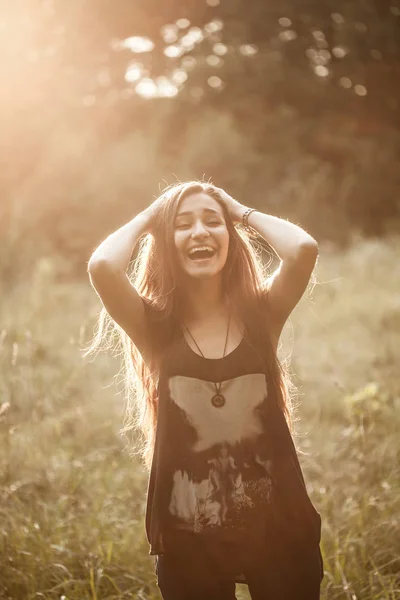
294,108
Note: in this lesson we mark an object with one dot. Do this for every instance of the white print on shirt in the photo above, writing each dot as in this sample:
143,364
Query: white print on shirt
235,421
218,499
225,494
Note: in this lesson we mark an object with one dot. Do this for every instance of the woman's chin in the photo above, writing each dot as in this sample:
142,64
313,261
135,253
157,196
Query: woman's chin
202,273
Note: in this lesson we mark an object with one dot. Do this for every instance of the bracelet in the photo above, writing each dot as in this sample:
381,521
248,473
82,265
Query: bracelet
245,219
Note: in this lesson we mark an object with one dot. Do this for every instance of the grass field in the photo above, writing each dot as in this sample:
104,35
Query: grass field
72,501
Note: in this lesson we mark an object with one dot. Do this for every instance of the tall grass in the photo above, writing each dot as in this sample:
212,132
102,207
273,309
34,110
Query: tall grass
72,501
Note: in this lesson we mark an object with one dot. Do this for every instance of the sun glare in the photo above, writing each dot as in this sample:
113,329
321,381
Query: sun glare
138,44
134,72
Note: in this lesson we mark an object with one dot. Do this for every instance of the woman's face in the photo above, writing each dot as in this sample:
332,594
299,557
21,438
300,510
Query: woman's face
201,236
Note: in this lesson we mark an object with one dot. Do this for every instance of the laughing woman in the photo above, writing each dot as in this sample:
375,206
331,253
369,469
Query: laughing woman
200,324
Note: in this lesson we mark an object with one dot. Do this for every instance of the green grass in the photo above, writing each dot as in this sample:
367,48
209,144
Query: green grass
72,501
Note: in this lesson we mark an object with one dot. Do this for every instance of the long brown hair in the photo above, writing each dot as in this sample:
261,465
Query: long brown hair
154,276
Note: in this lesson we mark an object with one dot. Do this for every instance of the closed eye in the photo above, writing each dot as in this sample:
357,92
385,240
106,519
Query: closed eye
182,226
213,223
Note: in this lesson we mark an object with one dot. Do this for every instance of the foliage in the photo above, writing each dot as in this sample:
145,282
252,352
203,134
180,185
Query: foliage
291,106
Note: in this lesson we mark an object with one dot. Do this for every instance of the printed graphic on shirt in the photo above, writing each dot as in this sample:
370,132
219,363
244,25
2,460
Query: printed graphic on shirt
236,421
226,479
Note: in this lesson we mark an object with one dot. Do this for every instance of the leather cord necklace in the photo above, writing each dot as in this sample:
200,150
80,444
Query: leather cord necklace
218,399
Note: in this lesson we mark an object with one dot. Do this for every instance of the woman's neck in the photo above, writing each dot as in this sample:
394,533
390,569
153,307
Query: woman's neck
202,299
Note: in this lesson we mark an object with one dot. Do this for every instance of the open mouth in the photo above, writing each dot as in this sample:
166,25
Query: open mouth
201,253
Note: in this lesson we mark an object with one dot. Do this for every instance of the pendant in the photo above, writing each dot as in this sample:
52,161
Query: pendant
218,400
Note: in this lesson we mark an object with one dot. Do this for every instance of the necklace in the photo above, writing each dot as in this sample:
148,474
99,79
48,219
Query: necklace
218,399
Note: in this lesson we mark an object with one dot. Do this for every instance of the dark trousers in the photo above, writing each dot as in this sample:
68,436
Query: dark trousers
208,574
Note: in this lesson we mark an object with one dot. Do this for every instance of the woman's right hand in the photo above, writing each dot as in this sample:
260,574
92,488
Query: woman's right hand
150,213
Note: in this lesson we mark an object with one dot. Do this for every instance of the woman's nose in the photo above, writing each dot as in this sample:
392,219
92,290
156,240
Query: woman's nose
199,230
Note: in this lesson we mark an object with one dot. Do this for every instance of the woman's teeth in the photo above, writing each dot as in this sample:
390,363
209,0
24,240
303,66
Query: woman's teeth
201,253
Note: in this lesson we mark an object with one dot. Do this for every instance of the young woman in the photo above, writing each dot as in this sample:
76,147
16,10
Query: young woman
200,324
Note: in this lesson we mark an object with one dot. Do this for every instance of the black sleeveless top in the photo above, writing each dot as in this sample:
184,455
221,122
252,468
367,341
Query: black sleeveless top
227,470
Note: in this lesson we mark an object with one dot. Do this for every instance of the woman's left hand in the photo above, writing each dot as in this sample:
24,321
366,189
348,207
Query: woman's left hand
235,209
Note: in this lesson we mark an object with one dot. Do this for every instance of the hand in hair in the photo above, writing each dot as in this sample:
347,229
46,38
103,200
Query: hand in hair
235,209
152,211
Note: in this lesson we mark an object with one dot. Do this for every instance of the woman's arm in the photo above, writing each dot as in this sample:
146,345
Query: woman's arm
296,249
107,271
116,250
298,253
288,240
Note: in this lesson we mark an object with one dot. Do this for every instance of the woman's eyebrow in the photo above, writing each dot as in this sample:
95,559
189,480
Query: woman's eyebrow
209,210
